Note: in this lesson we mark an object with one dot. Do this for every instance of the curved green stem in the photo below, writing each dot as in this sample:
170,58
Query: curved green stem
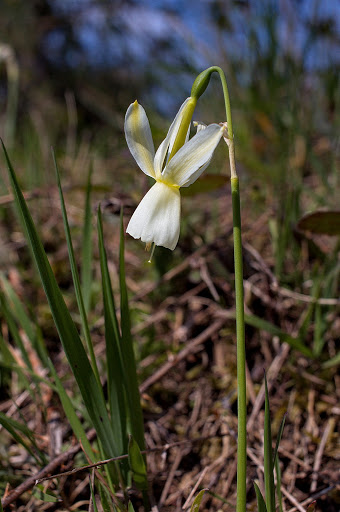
230,141
240,334
241,352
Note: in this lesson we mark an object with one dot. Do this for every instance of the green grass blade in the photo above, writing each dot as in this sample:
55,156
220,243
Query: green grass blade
14,331
261,505
310,313
268,455
8,361
75,277
295,343
14,427
94,504
197,501
115,377
19,312
105,500
46,496
320,327
279,436
278,484
66,402
12,365
86,256
137,465
71,415
308,319
35,393
75,352
334,361
128,355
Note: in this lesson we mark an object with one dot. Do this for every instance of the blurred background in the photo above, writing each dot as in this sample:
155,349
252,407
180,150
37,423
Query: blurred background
69,70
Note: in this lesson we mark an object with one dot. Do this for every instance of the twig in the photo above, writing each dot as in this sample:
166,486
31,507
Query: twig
307,298
293,501
318,456
162,448
169,480
312,498
41,476
192,346
51,466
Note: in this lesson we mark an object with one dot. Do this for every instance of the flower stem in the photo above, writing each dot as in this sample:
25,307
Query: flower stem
241,353
240,334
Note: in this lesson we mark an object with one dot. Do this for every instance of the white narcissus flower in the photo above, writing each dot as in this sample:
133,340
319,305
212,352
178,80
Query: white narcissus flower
157,217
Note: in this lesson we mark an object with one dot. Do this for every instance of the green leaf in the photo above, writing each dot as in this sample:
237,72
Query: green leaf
39,493
71,415
12,365
320,328
75,277
128,356
73,347
36,335
34,391
14,331
13,427
86,259
105,499
278,484
321,222
130,507
137,465
308,316
276,464
19,312
279,435
94,504
334,361
295,343
261,505
8,361
116,381
197,501
268,455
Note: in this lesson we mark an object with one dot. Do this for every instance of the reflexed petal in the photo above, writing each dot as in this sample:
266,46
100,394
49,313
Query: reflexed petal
157,217
139,139
193,155
160,156
169,140
196,174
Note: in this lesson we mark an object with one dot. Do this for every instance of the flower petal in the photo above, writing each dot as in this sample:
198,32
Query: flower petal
157,217
168,142
196,174
139,139
193,156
